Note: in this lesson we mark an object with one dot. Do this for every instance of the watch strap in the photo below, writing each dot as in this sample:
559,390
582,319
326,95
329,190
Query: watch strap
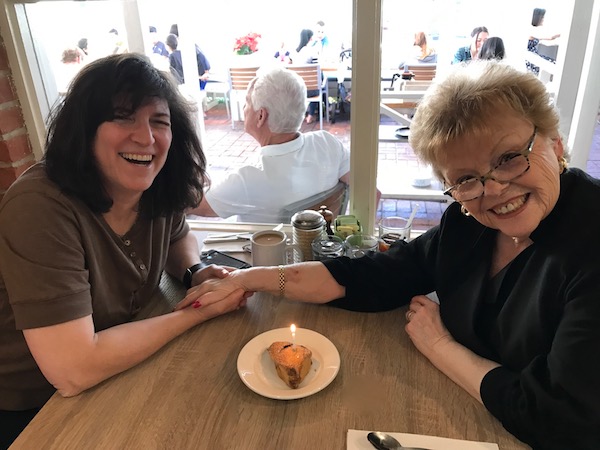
187,277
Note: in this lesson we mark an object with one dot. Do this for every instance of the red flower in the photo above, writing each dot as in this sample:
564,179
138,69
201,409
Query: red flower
246,45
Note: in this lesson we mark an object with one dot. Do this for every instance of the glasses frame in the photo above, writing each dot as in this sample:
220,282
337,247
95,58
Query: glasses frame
488,176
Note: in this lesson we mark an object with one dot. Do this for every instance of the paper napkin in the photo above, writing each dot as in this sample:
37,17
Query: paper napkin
357,440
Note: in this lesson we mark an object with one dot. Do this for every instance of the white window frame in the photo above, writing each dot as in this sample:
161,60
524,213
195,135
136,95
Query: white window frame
577,94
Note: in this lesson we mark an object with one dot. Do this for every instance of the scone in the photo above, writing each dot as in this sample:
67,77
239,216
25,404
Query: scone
292,362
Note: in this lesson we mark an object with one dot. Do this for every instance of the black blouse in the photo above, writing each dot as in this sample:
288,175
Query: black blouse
540,318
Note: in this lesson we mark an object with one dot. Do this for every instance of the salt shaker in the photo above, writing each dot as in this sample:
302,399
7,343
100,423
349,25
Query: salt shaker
306,226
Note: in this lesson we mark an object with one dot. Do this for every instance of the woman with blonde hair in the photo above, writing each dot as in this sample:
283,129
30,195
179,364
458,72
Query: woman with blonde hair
517,321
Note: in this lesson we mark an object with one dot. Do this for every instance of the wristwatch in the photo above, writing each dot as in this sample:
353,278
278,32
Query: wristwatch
187,277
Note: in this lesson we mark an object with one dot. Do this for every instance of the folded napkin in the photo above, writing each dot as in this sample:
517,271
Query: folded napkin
357,440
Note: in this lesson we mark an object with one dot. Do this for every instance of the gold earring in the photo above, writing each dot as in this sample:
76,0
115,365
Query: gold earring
562,165
464,211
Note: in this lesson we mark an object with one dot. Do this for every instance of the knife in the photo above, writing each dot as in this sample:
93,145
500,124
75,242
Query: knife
228,238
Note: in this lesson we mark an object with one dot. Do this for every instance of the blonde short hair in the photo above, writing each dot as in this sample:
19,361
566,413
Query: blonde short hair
467,101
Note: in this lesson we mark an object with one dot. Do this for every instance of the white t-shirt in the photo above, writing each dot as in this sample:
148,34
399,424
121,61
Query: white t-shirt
310,164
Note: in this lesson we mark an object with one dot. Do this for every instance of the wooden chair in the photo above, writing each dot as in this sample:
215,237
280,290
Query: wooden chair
311,74
336,200
239,79
423,72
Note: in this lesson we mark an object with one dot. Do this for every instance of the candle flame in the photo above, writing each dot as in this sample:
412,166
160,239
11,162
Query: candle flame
293,328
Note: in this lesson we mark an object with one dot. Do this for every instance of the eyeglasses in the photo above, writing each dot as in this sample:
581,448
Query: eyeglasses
511,166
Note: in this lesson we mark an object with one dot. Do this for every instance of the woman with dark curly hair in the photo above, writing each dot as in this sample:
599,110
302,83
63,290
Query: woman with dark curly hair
86,233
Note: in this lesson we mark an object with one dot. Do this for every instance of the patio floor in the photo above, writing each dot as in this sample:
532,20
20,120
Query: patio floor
227,149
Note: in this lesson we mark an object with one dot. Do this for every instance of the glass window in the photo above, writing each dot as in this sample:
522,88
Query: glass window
400,178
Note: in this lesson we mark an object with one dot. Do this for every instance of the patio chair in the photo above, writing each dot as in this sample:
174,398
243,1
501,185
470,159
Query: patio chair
239,79
311,74
336,200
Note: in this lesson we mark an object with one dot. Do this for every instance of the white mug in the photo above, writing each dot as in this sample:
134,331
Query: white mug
270,248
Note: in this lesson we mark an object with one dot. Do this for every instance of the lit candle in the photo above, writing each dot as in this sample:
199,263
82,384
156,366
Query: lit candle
293,330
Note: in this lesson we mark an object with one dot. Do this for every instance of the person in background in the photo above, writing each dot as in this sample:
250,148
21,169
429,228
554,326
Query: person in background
71,64
82,48
424,54
158,47
517,325
118,45
201,60
492,48
538,33
320,53
175,63
478,36
293,165
122,162
283,54
320,41
305,53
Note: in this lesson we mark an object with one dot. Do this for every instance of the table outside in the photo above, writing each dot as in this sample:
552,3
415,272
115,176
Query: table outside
189,394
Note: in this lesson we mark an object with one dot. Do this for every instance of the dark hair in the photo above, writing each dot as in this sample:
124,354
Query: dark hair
174,30
132,81
82,44
171,41
493,48
305,36
538,16
478,30
152,29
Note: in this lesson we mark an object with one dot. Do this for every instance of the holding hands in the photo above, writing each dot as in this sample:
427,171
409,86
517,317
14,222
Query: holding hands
220,284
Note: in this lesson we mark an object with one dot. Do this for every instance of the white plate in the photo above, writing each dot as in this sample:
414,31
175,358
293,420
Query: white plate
257,370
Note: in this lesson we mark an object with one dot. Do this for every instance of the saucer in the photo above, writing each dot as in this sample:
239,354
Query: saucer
257,370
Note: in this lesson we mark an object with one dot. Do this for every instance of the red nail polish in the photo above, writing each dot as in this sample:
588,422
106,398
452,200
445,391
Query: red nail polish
197,304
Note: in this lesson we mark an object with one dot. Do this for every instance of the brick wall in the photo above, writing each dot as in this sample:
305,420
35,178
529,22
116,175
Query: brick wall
16,154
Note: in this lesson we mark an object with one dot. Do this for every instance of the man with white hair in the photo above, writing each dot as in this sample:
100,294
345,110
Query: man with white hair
293,165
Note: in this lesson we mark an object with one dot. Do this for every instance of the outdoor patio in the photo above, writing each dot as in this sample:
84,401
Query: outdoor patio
227,148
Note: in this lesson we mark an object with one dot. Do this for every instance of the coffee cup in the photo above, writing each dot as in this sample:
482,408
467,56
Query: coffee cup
270,248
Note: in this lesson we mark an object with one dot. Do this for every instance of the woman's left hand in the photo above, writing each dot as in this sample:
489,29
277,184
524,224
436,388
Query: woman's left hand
425,327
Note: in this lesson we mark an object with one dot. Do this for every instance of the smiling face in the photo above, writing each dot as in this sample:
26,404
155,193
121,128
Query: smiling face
131,149
517,207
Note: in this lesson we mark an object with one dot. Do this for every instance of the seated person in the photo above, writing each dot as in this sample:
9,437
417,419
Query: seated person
113,222
175,62
478,36
424,54
293,166
518,320
493,48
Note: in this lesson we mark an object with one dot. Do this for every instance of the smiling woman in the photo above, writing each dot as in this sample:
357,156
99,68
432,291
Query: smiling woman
122,163
517,325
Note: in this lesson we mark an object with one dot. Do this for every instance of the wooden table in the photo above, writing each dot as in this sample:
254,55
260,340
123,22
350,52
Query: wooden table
189,395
